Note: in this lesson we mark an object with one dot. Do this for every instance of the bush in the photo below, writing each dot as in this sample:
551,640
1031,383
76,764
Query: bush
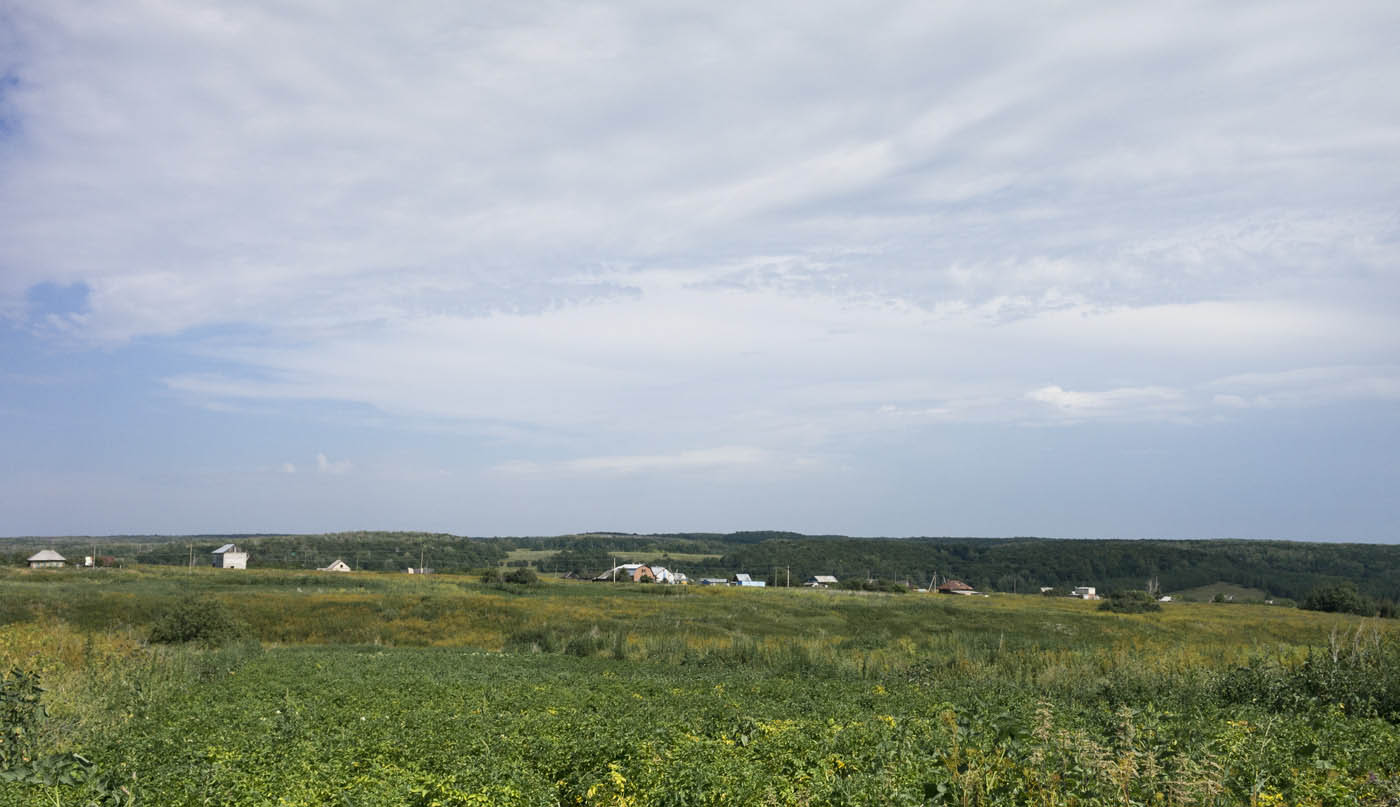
20,716
1130,602
492,575
1342,598
524,576
207,621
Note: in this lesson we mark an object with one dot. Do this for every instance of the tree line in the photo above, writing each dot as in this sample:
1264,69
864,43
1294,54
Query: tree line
1284,569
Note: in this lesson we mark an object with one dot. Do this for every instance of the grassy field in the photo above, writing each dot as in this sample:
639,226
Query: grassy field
1235,592
441,690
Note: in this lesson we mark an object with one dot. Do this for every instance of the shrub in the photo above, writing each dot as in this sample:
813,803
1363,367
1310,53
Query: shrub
1130,602
491,575
524,576
207,621
20,715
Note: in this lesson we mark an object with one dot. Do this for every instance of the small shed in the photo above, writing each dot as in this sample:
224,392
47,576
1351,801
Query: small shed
420,570
956,587
747,581
338,566
821,581
46,559
229,556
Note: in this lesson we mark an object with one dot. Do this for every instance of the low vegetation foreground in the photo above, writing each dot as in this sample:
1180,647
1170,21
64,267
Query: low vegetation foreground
181,687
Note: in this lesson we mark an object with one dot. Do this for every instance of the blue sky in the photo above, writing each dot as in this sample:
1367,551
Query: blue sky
523,268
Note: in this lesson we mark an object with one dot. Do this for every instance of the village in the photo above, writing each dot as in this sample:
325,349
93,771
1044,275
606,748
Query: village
231,556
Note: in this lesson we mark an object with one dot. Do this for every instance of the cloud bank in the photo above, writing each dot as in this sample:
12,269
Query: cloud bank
618,239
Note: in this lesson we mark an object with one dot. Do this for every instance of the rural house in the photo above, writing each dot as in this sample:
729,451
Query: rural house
820,581
1086,593
338,566
747,581
664,575
955,587
229,556
46,559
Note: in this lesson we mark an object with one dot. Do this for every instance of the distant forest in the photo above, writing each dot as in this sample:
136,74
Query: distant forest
1284,569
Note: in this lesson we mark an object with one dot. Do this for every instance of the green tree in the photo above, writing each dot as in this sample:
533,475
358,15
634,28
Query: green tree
1342,598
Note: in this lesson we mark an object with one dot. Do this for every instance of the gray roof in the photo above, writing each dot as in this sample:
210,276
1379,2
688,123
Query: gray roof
824,578
225,548
45,554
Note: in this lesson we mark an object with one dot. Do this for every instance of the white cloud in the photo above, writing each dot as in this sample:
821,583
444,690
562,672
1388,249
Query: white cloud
267,166
721,458
326,466
1135,402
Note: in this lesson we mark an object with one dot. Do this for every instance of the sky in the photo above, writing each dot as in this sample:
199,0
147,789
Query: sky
1076,269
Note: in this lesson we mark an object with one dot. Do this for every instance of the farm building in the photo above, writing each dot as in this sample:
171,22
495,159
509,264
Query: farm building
420,570
956,587
747,581
635,572
338,566
713,581
1086,593
820,581
664,575
229,556
46,559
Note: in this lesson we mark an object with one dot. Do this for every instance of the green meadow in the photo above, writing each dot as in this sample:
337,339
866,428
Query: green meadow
386,689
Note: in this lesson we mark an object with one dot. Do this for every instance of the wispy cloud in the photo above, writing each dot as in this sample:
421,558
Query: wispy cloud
690,460
1132,402
1308,386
